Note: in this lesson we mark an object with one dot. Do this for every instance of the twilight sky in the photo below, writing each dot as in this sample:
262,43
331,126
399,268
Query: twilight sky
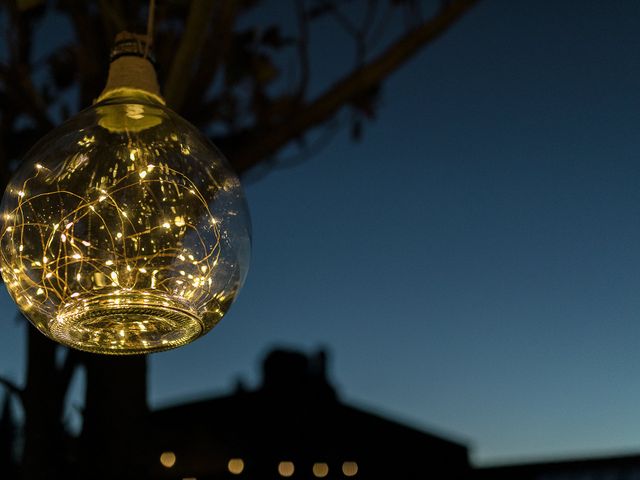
473,264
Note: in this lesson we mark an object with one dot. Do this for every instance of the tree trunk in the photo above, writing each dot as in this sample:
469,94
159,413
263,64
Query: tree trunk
112,440
43,401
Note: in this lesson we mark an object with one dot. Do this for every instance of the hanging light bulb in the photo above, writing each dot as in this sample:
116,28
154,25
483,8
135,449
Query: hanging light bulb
125,230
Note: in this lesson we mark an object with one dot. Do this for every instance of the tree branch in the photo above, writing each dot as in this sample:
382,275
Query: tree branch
11,387
257,145
112,18
195,33
91,50
68,368
21,89
212,57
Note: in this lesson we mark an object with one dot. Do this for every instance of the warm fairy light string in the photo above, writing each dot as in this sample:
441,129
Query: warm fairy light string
109,241
69,263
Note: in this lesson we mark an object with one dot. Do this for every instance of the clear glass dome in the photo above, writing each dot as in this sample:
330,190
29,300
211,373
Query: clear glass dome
125,230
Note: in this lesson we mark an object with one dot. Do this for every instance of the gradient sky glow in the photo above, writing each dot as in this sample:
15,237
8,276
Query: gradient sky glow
473,265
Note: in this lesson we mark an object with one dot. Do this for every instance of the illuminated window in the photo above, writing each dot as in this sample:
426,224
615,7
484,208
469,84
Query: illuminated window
320,470
349,468
286,469
168,459
235,466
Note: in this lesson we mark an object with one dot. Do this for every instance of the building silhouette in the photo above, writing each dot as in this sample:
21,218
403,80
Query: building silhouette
294,426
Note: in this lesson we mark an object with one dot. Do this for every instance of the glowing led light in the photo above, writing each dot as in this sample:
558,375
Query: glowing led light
349,469
320,470
168,459
235,466
123,215
286,469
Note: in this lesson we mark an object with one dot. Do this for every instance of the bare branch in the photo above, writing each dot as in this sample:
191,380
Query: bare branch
195,33
377,31
369,16
112,18
16,74
91,49
68,368
18,84
212,56
11,387
254,146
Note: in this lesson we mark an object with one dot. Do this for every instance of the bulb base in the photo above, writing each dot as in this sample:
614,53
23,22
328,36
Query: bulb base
124,323
131,68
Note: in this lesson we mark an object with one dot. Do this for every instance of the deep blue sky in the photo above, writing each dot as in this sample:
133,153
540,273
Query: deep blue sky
472,265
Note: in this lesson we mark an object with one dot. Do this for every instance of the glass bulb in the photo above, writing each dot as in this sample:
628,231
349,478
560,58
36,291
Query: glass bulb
125,230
